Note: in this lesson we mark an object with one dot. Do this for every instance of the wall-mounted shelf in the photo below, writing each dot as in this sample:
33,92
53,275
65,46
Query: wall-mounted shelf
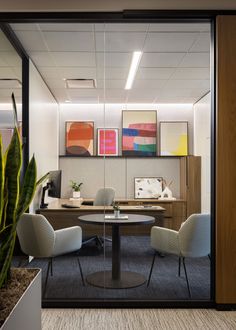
115,157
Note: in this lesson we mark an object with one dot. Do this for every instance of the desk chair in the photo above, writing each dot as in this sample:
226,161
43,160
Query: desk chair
192,241
38,239
104,197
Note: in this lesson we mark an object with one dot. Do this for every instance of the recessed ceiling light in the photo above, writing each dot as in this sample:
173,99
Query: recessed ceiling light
133,68
80,83
67,101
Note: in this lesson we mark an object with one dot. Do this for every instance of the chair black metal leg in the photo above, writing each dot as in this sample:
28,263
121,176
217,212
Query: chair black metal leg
46,280
186,276
51,273
179,271
150,274
81,272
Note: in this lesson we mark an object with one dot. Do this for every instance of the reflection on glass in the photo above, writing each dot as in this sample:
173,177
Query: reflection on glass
10,82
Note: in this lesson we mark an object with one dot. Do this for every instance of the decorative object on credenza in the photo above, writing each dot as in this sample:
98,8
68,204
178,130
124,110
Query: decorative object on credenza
107,142
80,138
76,188
167,193
174,138
116,209
150,187
139,131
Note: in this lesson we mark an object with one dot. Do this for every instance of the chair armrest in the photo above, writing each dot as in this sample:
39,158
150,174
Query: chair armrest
165,240
67,240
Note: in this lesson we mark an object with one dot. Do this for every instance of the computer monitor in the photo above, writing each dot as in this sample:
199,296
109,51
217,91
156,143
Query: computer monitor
54,180
53,186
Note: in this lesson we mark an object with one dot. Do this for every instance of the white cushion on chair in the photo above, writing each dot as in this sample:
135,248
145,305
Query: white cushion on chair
164,240
67,240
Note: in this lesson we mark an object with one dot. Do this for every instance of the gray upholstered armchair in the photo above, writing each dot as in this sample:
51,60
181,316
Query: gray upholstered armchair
38,239
192,240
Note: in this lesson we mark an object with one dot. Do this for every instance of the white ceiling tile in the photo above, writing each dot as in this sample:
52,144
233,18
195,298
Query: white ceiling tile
154,73
55,83
69,41
74,59
42,58
169,42
175,99
111,84
196,60
202,44
31,40
121,27
144,84
68,72
24,26
120,42
112,73
161,59
63,27
7,73
113,59
180,27
181,92
142,95
187,83
191,73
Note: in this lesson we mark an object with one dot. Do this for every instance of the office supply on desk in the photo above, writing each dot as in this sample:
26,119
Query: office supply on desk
113,217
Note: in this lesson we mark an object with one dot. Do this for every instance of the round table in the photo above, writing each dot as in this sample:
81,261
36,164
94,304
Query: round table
116,279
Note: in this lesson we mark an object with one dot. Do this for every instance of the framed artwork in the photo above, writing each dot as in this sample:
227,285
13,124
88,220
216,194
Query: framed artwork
79,138
174,138
139,132
6,134
107,141
150,187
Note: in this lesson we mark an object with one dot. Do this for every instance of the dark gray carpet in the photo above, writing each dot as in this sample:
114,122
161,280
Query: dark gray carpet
136,256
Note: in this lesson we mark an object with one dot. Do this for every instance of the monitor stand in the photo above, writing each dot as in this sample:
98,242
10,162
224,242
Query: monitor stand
44,205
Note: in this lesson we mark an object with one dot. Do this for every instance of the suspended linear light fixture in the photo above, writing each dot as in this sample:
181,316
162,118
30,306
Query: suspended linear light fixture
133,69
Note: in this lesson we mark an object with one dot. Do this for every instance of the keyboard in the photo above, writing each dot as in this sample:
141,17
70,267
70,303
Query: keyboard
69,206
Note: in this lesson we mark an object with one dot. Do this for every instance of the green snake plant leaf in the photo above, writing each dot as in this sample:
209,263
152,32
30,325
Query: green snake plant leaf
42,179
28,188
12,176
14,110
1,183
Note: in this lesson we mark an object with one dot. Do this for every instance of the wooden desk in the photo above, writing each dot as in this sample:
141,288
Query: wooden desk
60,217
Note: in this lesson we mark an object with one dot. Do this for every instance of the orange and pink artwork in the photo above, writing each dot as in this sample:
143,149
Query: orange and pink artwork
107,141
79,138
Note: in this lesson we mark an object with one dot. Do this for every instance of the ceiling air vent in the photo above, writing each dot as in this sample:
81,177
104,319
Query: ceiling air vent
10,83
80,83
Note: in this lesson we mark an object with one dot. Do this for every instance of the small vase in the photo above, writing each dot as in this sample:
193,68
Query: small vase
76,194
116,213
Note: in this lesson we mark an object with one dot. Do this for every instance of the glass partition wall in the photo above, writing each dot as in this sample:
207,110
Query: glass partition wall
134,129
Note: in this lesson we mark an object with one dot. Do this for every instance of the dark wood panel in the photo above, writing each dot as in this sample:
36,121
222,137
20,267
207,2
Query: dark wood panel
225,161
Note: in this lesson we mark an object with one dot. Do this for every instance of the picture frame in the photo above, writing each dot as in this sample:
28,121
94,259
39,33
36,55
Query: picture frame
173,138
79,138
108,142
148,187
139,133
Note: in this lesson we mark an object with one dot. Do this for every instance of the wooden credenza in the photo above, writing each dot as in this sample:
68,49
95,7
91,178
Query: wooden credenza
168,214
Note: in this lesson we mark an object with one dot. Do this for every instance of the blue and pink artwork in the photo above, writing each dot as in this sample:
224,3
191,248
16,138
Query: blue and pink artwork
139,131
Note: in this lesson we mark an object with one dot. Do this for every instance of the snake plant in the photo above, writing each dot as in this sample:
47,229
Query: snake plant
16,194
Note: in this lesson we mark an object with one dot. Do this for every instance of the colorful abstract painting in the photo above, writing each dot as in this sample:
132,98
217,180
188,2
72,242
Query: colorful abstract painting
79,138
174,138
6,134
139,131
107,142
148,187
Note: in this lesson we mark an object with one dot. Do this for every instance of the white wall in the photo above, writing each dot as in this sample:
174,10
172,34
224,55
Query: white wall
118,172
43,126
202,141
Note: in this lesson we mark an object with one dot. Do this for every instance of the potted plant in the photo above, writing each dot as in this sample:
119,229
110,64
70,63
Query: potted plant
16,194
76,188
116,209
